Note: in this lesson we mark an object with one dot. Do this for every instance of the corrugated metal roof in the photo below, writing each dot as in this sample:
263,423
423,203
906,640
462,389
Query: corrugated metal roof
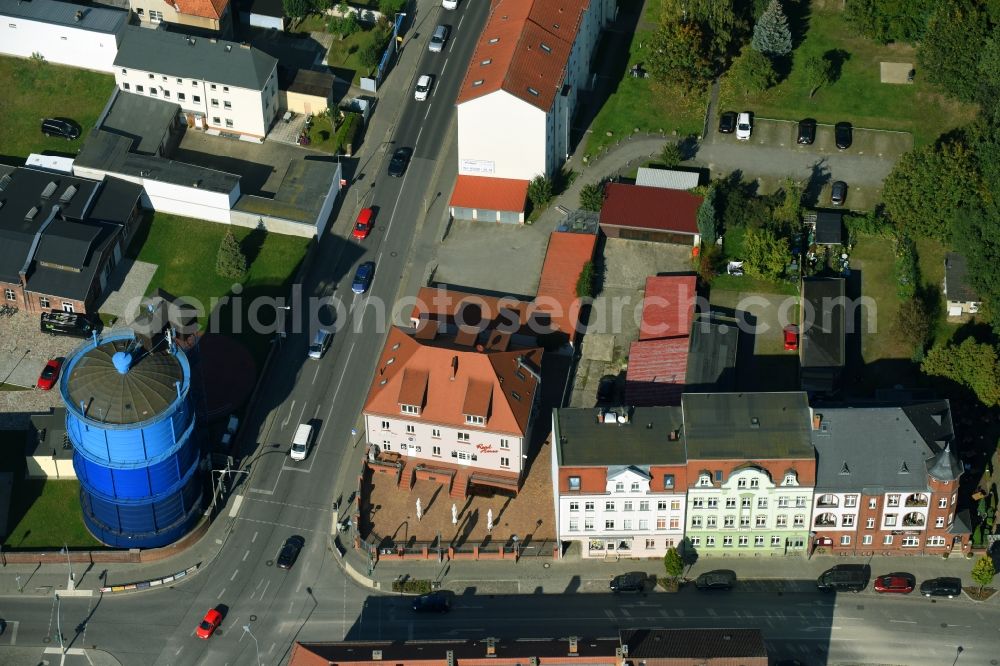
668,306
666,178
650,208
94,19
656,372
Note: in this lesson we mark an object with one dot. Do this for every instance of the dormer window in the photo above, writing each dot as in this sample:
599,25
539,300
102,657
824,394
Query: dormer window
791,479
620,487
471,419
409,409
704,480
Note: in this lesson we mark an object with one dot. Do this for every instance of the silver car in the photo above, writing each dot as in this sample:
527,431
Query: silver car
438,39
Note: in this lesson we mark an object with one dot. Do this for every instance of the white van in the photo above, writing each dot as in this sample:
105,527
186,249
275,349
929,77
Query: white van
301,441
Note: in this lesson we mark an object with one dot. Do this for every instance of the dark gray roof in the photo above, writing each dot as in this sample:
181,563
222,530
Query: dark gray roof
138,395
694,644
145,120
956,285
116,201
305,81
67,244
877,449
602,650
301,193
172,54
47,435
746,426
644,440
829,228
711,365
821,341
94,19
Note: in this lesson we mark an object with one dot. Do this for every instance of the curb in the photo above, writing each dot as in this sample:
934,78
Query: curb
147,584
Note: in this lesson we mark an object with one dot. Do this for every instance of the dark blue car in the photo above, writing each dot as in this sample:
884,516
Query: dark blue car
363,278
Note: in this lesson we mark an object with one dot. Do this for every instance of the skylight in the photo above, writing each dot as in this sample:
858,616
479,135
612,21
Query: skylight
532,91
546,47
477,82
494,40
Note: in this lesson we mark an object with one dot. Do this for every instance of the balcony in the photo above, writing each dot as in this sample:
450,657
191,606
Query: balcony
916,500
825,520
827,501
913,520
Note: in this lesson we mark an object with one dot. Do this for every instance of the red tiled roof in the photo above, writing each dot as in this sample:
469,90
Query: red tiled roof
564,259
482,192
667,307
650,208
212,9
656,372
525,44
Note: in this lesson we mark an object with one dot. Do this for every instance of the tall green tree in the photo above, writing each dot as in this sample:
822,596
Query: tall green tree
723,24
950,51
976,234
766,254
771,35
973,364
890,20
929,185
672,154
752,72
818,71
592,196
540,190
707,218
788,212
673,563
678,55
912,325
983,571
230,262
296,9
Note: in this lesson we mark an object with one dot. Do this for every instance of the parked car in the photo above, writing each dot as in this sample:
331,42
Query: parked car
844,578
438,39
68,323
363,225
720,579
290,551
423,88
634,581
50,373
791,333
807,132
209,624
843,134
744,126
400,160
838,193
727,122
363,277
606,389
941,587
449,4
900,583
60,128
435,602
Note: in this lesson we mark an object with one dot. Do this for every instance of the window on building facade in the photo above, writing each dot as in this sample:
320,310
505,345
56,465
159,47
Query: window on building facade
155,16
775,541
9,294
850,501
935,541
755,482
710,541
887,540
743,542
718,475
892,500
661,505
847,520
472,419
943,503
627,507
609,506
588,524
410,430
866,540
711,522
68,307
675,523
741,483
870,524
758,541
782,502
761,521
504,443
800,502
151,76
626,524
745,502
166,94
609,524
704,480
890,520
620,487
668,481
744,521
387,445
730,502
661,522
781,521
939,521
196,99
698,503
574,483
139,89
406,409
790,479
713,503
225,88
436,451
643,524
845,539
727,542
212,86
574,506
588,506
644,506
126,86
215,120
911,542
463,437
385,425
635,487
152,91
504,462
650,544
574,524
872,503
675,505
729,521
695,541
43,302
227,105
761,502
799,521
696,522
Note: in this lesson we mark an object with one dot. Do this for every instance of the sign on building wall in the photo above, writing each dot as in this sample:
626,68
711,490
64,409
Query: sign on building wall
477,166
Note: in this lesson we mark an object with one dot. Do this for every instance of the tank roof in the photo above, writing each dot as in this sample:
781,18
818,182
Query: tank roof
145,389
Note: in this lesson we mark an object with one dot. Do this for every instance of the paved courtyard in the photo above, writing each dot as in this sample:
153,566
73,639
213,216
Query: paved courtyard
127,286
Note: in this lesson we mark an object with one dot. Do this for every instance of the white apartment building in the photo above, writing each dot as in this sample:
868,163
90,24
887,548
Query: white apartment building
85,36
618,480
221,86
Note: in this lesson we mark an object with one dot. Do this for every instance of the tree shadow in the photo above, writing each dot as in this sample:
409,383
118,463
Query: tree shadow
798,13
252,244
837,58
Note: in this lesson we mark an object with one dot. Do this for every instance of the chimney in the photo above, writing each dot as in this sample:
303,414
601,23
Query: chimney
533,661
454,367
245,45
491,647
78,16
376,655
817,420
450,657
572,646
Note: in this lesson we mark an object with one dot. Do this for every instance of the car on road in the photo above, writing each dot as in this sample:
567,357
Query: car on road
791,333
423,88
301,441
438,39
838,193
807,132
727,122
844,578
720,579
363,277
321,341
634,581
744,126
50,373
899,583
449,4
290,551
843,134
208,625
363,225
60,128
941,587
400,160
435,602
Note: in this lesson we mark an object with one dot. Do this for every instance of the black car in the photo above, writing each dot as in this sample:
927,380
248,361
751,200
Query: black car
290,551
400,160
60,128
68,323
838,193
941,587
720,579
727,122
843,134
606,389
435,602
807,132
629,582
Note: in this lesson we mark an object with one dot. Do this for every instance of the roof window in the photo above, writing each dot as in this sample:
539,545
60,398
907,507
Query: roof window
486,62
532,91
494,40
546,47
477,82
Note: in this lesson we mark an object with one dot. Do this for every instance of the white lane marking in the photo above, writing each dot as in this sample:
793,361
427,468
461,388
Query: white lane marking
392,216
233,577
237,502
419,132
254,538
267,585
290,408
13,633
315,374
904,621
267,522
246,555
221,593
291,605
428,112
304,507
460,20
273,645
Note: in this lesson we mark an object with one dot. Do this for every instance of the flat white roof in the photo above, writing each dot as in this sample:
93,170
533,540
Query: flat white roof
666,178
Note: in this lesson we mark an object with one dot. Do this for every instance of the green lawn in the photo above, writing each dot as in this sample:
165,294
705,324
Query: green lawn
185,252
344,56
322,135
858,96
35,90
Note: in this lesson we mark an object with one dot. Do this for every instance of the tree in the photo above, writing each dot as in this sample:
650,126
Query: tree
296,9
929,185
585,281
975,365
230,262
977,535
788,213
819,71
370,55
673,563
771,35
540,191
752,72
706,219
950,51
722,22
981,508
766,254
592,196
912,324
671,155
890,20
983,571
390,7
989,74
677,55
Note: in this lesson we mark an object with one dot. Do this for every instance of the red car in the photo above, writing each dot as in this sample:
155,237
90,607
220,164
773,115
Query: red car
209,624
791,337
901,583
50,373
363,226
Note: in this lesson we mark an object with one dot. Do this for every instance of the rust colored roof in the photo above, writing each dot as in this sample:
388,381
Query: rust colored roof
524,49
483,192
449,370
413,388
477,398
668,307
656,372
564,260
650,208
212,9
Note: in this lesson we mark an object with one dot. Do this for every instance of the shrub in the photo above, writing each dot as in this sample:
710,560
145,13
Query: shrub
673,564
707,219
592,197
585,282
753,72
540,191
905,267
347,133
872,223
671,155
412,586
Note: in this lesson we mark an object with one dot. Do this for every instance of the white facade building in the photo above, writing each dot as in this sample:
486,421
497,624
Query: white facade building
84,36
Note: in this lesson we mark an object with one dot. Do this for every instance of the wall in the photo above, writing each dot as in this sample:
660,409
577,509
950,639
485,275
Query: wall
142,9
47,467
301,103
273,224
261,21
64,45
504,130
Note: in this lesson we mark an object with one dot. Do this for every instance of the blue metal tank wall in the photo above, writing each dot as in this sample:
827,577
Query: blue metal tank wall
137,443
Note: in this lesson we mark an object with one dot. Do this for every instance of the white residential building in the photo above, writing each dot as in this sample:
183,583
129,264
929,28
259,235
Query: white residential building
220,86
84,36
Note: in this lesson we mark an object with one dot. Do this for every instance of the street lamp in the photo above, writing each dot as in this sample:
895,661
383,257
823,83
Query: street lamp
20,590
59,623
246,630
516,550
70,583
